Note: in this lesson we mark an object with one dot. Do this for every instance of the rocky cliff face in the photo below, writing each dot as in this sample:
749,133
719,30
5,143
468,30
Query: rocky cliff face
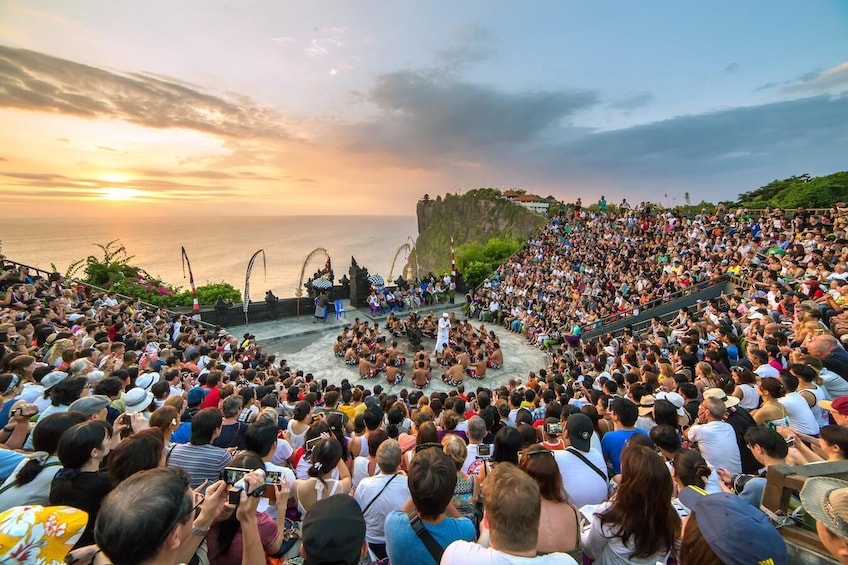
476,216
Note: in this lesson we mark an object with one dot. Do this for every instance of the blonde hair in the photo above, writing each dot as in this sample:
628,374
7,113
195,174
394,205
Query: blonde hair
454,448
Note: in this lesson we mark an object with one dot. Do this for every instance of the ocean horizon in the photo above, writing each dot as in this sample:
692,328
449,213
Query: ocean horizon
219,248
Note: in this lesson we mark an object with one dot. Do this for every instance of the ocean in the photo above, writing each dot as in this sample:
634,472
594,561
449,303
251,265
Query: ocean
218,248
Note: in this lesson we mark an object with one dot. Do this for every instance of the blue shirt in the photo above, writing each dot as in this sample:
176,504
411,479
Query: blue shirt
8,461
404,547
182,434
613,444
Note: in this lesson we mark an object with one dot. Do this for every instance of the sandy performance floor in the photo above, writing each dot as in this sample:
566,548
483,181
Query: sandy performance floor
314,354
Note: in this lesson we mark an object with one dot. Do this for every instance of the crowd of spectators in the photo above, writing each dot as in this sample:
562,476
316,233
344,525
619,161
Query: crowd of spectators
137,436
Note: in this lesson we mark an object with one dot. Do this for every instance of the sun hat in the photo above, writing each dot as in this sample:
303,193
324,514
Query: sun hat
646,405
579,429
334,531
53,378
90,405
40,534
716,392
137,399
826,500
839,405
736,531
445,315
147,380
678,401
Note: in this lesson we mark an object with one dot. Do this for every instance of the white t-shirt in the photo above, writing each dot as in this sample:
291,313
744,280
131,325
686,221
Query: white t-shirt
833,384
469,459
581,483
389,500
717,443
465,552
767,371
801,418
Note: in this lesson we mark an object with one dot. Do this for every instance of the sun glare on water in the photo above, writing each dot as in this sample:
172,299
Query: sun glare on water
124,194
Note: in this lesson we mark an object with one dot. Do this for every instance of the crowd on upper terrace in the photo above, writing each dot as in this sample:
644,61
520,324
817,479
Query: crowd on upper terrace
587,267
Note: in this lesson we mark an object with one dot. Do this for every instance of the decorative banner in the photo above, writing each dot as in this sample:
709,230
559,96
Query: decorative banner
247,280
195,307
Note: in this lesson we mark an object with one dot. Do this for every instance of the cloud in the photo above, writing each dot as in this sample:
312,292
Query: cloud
328,39
428,113
834,79
471,44
284,40
766,86
796,135
633,101
39,82
731,68
205,174
60,184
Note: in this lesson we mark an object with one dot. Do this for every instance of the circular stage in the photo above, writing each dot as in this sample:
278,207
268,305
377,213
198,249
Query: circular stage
313,353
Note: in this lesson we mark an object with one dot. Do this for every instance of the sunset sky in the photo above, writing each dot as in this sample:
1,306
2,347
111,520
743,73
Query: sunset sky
278,107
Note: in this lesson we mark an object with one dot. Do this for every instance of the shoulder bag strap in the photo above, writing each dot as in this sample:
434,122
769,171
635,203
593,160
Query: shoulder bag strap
583,458
385,486
436,550
15,482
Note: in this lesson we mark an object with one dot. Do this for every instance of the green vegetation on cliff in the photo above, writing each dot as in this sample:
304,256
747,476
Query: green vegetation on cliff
472,218
803,190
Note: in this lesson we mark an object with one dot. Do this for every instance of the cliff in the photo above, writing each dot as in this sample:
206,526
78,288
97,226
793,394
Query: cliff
475,216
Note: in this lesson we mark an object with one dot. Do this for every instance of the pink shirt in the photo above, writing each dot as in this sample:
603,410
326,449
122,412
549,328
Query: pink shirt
267,533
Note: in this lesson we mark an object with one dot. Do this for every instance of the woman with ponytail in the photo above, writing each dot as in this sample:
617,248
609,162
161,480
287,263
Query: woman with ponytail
29,483
80,482
690,469
328,475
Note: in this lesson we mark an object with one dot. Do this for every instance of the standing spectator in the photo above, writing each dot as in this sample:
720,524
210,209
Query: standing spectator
432,479
513,528
382,494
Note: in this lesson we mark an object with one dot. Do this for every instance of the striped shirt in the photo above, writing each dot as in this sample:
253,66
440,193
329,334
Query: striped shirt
201,462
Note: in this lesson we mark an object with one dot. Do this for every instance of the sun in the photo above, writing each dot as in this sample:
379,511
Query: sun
117,193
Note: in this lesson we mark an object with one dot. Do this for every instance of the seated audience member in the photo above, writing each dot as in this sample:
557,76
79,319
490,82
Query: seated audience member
769,448
334,533
724,530
513,528
382,494
716,438
826,500
624,415
639,525
432,480
582,469
200,459
155,517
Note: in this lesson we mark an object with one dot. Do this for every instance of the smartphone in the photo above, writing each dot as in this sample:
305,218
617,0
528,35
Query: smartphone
274,478
484,451
553,429
790,441
232,475
126,420
310,445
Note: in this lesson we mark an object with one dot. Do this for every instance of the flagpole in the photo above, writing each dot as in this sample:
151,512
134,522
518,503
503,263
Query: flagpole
195,306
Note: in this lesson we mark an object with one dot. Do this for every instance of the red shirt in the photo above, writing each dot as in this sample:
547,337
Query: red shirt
213,397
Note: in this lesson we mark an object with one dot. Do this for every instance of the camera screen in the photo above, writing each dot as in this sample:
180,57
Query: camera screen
554,429
232,475
484,450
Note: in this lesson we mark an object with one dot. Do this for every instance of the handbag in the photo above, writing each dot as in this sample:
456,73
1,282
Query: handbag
611,486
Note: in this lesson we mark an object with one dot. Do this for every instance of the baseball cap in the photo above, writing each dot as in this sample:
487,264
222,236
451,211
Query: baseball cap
721,395
334,531
826,500
195,396
90,405
736,531
839,405
579,429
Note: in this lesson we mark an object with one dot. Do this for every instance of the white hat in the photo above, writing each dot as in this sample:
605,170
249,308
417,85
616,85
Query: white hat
137,399
721,395
147,380
445,315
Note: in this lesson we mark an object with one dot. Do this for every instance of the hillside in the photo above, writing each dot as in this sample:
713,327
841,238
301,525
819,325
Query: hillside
803,190
474,217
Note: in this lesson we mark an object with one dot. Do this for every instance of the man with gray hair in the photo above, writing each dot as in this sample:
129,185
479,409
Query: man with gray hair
382,494
715,438
476,431
80,367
